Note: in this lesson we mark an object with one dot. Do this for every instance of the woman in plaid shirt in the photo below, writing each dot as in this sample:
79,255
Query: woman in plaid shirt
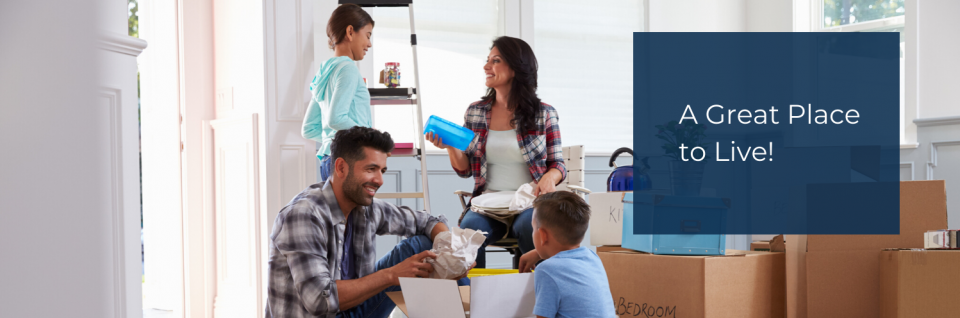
521,134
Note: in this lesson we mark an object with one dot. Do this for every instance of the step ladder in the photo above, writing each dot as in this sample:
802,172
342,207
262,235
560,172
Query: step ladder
409,96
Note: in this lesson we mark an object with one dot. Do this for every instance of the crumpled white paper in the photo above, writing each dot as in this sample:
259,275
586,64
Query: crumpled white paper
456,251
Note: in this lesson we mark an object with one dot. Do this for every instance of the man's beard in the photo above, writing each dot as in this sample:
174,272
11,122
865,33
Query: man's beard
355,191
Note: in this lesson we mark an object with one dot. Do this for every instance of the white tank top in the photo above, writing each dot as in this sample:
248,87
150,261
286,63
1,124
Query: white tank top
506,168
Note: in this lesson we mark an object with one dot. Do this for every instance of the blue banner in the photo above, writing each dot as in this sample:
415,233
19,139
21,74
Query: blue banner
796,133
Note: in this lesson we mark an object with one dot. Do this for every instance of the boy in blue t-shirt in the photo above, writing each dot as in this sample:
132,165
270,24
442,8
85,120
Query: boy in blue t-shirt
571,282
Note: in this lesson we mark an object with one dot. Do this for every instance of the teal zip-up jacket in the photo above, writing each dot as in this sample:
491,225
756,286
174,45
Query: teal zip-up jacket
340,101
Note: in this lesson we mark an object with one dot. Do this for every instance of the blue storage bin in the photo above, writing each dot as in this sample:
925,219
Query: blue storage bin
451,134
674,214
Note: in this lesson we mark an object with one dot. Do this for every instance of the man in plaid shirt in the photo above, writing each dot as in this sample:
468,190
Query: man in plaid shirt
323,246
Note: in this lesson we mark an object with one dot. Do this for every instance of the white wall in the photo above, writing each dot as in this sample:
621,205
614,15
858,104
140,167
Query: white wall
931,80
769,16
322,9
238,38
697,16
720,16
938,68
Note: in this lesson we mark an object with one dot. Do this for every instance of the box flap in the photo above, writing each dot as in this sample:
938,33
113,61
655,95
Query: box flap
397,298
427,297
777,244
923,207
511,295
606,218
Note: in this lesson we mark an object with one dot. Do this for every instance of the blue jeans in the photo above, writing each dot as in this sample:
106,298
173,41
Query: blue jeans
521,229
380,304
326,168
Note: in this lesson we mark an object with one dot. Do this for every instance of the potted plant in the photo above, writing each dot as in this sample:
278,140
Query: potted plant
686,176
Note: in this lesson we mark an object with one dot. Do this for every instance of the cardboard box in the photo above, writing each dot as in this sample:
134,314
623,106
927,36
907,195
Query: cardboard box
612,248
495,296
774,245
919,283
748,284
761,246
606,218
839,275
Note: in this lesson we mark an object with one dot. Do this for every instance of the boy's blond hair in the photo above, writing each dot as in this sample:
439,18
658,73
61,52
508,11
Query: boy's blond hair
565,214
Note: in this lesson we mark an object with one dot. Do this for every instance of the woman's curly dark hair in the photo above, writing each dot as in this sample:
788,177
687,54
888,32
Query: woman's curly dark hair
523,91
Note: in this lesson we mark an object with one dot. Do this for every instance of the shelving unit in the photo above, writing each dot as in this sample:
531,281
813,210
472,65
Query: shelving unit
401,96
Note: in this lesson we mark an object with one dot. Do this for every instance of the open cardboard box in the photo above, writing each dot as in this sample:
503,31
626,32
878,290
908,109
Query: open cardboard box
839,275
497,296
742,284
606,222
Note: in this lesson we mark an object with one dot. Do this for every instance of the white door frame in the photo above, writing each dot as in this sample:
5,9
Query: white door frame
195,66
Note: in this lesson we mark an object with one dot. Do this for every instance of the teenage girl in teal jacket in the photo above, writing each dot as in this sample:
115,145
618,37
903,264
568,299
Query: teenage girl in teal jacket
340,98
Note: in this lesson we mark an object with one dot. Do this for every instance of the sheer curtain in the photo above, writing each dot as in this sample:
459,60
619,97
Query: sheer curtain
453,40
585,51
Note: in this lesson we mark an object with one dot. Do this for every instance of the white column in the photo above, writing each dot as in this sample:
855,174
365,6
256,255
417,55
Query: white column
70,199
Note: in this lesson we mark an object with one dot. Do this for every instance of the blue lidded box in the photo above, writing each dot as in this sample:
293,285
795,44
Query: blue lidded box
450,133
659,224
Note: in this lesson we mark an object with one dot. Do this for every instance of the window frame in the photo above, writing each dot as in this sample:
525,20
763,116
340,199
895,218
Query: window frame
815,19
816,22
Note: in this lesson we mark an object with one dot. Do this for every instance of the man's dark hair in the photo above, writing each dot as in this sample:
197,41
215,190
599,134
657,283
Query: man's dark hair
565,214
349,143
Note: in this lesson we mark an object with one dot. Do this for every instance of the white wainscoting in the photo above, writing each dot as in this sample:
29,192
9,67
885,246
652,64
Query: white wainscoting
906,171
236,184
936,157
108,135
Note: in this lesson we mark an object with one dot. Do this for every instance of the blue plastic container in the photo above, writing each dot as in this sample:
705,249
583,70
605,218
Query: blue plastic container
452,134
678,214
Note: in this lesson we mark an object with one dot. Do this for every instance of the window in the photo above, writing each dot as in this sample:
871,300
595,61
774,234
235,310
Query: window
453,40
845,12
586,68
866,16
